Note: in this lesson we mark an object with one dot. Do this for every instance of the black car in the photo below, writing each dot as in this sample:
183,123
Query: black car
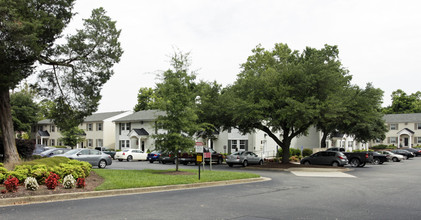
404,153
415,151
379,158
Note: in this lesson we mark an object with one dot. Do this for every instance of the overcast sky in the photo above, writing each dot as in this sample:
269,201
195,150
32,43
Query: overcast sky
379,41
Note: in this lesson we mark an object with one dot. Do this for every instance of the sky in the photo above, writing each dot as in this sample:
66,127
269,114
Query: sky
379,41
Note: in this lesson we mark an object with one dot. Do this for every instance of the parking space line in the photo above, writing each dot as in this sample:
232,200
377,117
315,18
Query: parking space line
322,174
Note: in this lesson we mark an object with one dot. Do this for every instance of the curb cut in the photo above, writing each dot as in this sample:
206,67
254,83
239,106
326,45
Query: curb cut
106,193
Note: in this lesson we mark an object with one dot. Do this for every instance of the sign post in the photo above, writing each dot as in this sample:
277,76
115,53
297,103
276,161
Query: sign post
208,155
199,155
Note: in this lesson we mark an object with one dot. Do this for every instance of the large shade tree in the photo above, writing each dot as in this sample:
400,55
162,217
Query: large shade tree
71,73
282,90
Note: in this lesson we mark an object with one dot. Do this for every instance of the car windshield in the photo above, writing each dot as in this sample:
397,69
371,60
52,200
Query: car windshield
72,151
154,152
126,150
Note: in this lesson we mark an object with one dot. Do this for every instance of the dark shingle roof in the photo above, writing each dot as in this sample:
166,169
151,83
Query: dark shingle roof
46,121
147,115
402,118
141,131
43,133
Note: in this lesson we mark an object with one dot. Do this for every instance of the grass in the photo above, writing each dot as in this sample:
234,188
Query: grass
124,179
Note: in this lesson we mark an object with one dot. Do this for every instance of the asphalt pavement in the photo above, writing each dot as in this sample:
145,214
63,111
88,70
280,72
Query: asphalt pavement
388,191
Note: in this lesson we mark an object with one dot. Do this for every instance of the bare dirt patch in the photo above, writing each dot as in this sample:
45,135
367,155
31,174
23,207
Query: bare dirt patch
92,181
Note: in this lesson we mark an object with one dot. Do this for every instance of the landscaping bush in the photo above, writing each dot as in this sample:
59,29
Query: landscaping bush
40,173
69,169
69,182
52,181
11,184
383,146
292,152
25,148
31,184
3,172
81,183
307,152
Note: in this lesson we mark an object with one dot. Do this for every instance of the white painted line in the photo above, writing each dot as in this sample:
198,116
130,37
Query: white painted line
322,174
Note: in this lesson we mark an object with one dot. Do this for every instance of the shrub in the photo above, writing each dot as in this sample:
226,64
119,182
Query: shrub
21,175
294,158
52,181
31,184
2,177
383,146
292,152
86,167
1,165
307,152
81,183
69,182
40,172
25,148
11,184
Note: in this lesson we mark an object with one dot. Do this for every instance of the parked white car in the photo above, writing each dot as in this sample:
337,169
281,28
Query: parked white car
131,154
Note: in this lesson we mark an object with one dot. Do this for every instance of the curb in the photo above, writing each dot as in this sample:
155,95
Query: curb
106,193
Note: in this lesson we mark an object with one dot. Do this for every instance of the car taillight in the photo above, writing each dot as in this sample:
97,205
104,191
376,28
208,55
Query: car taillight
154,155
124,153
340,157
238,157
366,155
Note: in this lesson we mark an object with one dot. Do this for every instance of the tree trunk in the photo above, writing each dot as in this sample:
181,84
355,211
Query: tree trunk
10,151
323,141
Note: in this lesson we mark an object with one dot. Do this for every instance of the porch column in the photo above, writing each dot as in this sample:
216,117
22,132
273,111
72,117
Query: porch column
410,141
399,141
138,143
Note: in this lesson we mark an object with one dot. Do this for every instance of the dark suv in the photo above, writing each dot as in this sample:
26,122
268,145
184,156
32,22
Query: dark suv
333,158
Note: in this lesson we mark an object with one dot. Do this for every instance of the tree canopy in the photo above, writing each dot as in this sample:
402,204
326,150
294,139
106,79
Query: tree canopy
282,90
404,103
177,99
71,73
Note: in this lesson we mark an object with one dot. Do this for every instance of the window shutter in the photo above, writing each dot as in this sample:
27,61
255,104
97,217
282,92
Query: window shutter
388,140
119,128
246,142
229,146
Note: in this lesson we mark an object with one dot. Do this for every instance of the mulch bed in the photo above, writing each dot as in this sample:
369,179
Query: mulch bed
92,181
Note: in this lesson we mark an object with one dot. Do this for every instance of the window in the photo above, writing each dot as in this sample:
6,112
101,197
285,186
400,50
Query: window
234,144
99,126
127,143
418,140
90,142
393,140
52,128
350,143
393,126
99,143
418,126
89,127
53,142
122,144
242,144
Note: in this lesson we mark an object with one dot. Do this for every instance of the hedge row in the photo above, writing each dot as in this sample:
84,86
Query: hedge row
40,169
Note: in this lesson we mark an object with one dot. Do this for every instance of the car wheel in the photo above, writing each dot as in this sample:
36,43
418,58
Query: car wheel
163,162
129,158
245,163
230,165
261,162
307,162
150,161
361,165
102,164
407,157
335,164
219,160
395,159
120,159
376,161
354,162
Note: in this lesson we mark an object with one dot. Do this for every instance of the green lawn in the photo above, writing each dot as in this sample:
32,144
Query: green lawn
123,179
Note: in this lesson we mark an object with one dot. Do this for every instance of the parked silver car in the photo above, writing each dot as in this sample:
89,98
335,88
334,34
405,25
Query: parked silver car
244,158
94,157
53,151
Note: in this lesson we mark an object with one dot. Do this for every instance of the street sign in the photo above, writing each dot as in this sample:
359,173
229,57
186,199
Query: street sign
199,149
199,158
207,155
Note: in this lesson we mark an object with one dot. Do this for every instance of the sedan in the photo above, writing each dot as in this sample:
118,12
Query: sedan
415,151
333,158
379,158
94,157
404,153
154,156
392,156
244,158
130,155
53,151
